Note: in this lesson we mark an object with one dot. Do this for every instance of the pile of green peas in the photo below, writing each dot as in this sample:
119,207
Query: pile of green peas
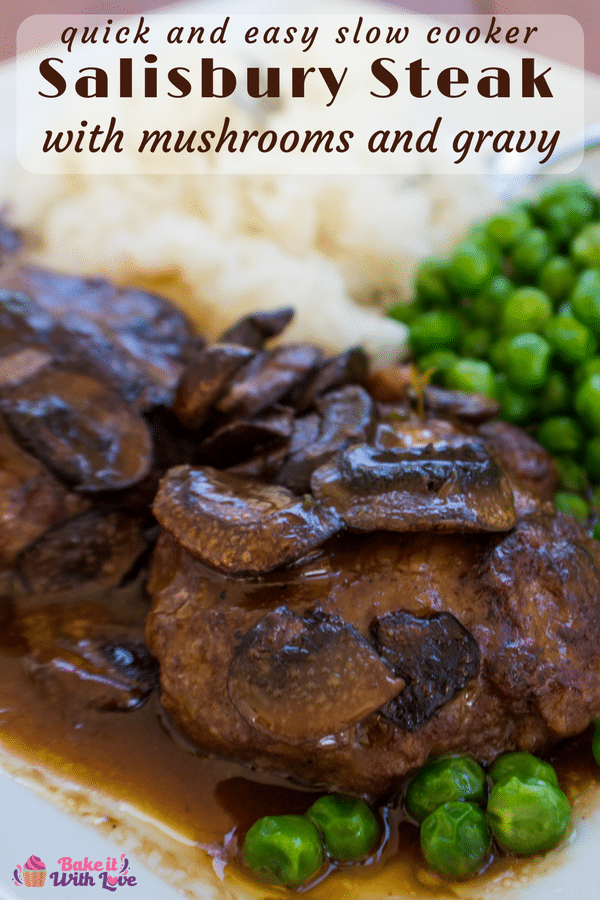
460,809
525,810
292,850
514,313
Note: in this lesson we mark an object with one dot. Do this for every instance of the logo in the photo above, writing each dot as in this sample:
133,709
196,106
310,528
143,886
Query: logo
33,872
86,872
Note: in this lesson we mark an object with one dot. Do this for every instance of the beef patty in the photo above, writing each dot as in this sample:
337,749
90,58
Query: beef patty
356,663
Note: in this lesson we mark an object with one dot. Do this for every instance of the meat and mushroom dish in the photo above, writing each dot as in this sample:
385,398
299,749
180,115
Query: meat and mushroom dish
339,580
468,621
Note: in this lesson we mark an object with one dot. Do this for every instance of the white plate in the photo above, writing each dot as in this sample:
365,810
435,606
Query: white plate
38,827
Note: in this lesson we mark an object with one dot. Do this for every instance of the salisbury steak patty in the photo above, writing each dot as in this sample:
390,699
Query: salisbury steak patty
296,670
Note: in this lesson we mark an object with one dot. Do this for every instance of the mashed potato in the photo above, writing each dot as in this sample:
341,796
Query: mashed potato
226,245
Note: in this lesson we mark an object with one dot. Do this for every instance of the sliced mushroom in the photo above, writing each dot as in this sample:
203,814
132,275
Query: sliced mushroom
521,456
268,379
133,659
346,416
265,466
435,655
90,347
237,525
437,488
349,367
411,431
142,338
31,499
24,324
206,377
22,364
252,331
347,413
97,664
262,466
81,429
306,431
238,440
301,679
471,408
93,551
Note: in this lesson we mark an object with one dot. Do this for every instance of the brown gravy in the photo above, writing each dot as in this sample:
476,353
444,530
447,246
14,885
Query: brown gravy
132,757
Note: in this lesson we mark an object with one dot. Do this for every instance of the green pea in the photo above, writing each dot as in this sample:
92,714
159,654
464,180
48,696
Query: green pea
405,312
507,227
566,194
530,253
434,330
487,306
592,458
349,827
527,816
585,299
589,367
595,503
478,235
471,267
284,850
430,283
572,341
572,505
587,403
555,396
517,408
557,278
440,361
472,375
561,434
522,765
527,309
497,354
565,309
442,780
527,362
585,247
571,476
476,342
565,218
555,191
596,738
456,840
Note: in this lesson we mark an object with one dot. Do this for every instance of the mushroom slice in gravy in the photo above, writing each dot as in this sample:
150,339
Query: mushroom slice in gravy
437,657
303,678
82,430
253,330
237,525
205,379
437,487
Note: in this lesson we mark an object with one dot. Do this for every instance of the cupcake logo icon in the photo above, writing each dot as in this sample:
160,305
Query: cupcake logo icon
31,874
